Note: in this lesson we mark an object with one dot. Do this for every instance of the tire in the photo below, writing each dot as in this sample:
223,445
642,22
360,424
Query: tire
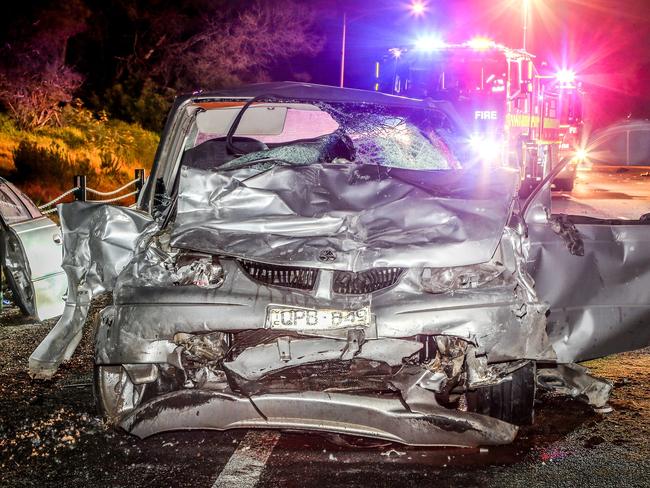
115,394
16,295
112,387
564,184
510,401
107,390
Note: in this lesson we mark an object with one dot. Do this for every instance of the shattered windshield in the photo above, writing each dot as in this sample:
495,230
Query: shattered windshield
300,134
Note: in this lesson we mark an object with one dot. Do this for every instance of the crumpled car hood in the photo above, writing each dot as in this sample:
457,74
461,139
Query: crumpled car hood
344,216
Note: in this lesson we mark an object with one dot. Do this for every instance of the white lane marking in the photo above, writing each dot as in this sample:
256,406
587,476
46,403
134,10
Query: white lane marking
245,466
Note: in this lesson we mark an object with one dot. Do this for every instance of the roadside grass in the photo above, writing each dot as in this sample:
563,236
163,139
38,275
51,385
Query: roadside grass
42,162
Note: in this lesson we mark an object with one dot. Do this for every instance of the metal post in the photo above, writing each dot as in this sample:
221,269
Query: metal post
526,7
80,185
345,21
139,176
2,297
3,253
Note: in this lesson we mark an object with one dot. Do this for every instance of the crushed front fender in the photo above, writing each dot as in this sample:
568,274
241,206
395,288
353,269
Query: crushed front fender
98,242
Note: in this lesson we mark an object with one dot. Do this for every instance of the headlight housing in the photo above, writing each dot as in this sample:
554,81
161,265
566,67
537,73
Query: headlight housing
445,280
197,269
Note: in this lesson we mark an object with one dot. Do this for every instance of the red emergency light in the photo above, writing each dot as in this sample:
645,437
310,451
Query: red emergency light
418,8
565,77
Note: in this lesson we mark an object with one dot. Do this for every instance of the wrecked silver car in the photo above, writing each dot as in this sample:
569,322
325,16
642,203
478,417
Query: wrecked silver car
325,259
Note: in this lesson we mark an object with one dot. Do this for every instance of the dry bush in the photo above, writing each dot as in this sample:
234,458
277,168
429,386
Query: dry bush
47,167
35,80
35,99
227,45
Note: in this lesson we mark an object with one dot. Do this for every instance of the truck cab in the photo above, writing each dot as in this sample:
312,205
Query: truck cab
511,117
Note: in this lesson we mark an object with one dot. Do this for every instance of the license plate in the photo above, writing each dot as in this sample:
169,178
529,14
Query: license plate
311,319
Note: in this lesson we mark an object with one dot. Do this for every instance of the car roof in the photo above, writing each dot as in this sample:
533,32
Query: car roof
307,92
311,92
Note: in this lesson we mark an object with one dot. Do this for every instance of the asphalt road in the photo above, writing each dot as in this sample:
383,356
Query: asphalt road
609,192
51,435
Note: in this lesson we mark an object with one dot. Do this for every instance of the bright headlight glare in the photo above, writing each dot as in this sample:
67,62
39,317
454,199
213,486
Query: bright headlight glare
445,280
580,155
476,142
429,43
485,148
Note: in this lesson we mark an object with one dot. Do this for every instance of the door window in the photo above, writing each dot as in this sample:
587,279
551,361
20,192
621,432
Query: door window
11,208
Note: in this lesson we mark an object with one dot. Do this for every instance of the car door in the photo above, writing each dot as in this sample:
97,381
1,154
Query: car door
31,255
590,259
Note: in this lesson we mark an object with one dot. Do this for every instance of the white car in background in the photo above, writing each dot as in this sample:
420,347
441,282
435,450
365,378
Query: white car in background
30,255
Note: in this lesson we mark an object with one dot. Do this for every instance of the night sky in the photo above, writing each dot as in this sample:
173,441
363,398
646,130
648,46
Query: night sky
607,42
592,35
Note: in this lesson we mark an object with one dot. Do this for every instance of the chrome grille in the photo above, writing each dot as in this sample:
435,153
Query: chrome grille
287,276
350,283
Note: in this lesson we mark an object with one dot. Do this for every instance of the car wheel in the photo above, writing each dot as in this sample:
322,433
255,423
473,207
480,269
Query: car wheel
115,393
564,184
19,296
512,401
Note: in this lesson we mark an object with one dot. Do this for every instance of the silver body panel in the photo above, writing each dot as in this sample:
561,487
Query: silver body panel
41,241
365,221
600,301
99,241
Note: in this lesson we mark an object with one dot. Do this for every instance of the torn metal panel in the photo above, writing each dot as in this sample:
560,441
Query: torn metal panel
365,216
575,381
203,348
201,271
99,240
563,227
256,362
480,373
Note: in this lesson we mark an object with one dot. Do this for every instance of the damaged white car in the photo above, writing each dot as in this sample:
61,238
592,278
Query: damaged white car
30,255
325,259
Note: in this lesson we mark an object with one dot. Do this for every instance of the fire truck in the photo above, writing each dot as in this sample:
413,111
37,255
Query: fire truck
571,100
513,115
